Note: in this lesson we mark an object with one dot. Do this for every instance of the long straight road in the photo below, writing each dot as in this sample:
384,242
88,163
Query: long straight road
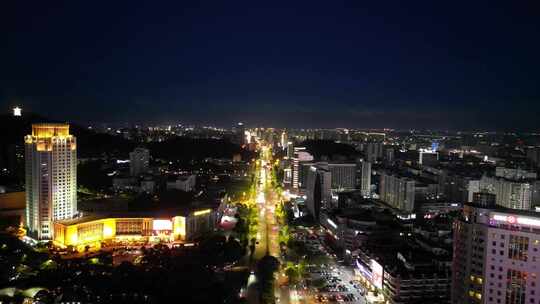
261,249
267,199
268,232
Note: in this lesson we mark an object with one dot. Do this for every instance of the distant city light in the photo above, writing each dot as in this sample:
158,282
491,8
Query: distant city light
17,111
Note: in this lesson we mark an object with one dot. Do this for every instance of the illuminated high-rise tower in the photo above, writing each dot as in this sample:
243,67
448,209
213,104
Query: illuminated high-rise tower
51,178
365,178
284,140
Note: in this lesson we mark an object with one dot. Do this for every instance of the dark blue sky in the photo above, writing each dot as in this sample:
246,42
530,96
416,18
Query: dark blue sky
401,64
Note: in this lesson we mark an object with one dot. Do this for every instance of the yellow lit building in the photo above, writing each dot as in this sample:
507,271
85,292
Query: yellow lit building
51,178
96,229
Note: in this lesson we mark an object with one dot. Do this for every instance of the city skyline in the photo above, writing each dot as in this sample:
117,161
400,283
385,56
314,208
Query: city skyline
422,65
394,217
231,125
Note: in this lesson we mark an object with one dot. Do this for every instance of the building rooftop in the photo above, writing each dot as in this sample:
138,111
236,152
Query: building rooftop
355,214
402,257
46,130
498,208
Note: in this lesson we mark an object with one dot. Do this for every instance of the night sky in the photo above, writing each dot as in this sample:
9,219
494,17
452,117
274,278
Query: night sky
398,64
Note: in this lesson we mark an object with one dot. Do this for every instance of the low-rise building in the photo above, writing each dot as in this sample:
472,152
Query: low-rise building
403,272
183,183
94,230
514,173
123,183
148,186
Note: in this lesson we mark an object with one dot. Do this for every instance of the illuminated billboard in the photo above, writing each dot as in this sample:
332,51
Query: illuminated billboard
161,225
202,212
179,227
377,274
513,219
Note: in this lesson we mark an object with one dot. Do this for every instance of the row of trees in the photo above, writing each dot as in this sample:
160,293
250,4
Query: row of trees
281,218
266,268
247,224
295,271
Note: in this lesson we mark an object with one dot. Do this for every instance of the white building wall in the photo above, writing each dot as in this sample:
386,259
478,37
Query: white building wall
51,181
365,179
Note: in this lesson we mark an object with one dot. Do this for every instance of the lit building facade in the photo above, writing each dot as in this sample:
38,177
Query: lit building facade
428,158
343,175
95,230
284,140
318,190
404,277
287,176
139,161
290,150
509,193
389,155
300,155
373,151
515,173
183,183
496,254
365,178
51,178
398,192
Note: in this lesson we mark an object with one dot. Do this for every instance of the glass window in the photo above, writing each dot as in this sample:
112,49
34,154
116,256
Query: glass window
518,247
516,282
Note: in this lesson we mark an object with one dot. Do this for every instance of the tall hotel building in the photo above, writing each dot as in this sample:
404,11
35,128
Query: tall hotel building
496,254
51,178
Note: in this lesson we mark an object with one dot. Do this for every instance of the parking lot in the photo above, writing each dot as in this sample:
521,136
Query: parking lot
329,282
